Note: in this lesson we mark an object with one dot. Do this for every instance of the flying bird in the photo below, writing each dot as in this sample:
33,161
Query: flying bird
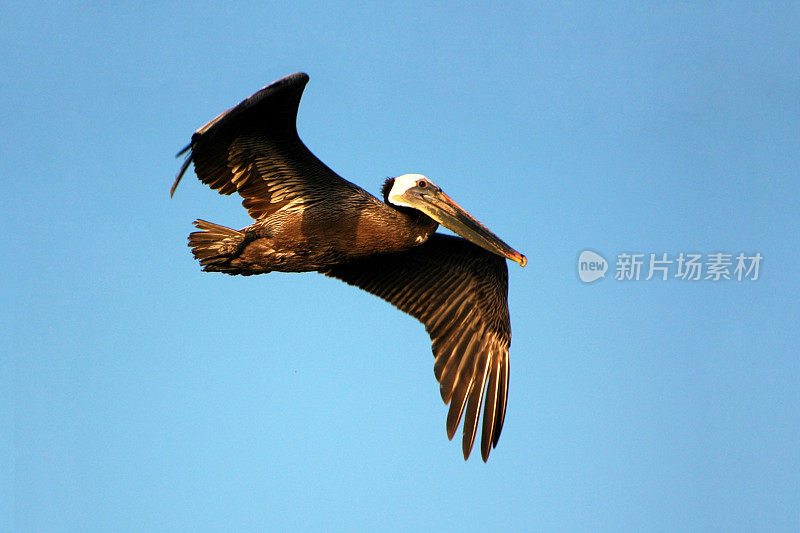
308,218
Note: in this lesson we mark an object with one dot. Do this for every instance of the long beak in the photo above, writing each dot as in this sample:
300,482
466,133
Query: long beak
452,216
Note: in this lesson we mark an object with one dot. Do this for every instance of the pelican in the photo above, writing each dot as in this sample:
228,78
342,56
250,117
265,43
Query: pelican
308,218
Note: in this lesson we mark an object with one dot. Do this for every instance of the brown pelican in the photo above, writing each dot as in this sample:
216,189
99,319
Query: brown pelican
308,218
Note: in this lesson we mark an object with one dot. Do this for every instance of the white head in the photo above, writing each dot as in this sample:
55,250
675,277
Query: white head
415,191
405,182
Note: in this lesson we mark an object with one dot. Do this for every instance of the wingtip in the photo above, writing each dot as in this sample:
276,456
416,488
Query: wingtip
177,181
183,150
466,447
182,171
297,78
451,431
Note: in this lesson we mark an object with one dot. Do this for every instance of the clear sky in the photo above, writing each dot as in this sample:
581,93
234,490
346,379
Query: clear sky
139,393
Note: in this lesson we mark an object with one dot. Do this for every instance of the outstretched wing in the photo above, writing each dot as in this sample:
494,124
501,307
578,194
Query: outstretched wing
254,149
460,292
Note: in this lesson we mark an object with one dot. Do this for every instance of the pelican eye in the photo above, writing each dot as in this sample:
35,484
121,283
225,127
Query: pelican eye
422,184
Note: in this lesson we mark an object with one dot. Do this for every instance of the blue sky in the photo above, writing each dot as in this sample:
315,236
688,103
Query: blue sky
144,394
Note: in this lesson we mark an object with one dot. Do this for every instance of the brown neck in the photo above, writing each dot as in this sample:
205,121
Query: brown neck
392,229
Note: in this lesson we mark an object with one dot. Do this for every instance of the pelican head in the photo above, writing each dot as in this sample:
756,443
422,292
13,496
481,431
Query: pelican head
418,192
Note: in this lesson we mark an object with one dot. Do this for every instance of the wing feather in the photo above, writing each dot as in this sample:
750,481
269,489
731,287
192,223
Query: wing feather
253,149
491,409
474,402
462,383
459,292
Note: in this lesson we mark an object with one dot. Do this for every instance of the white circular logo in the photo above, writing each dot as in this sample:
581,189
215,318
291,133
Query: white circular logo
591,266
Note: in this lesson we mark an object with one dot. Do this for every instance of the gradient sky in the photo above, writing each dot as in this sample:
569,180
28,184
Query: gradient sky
143,394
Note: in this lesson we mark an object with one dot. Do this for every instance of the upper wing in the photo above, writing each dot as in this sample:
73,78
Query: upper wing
460,292
253,149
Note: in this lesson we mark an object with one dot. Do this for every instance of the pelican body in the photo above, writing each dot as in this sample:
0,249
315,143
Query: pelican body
308,218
